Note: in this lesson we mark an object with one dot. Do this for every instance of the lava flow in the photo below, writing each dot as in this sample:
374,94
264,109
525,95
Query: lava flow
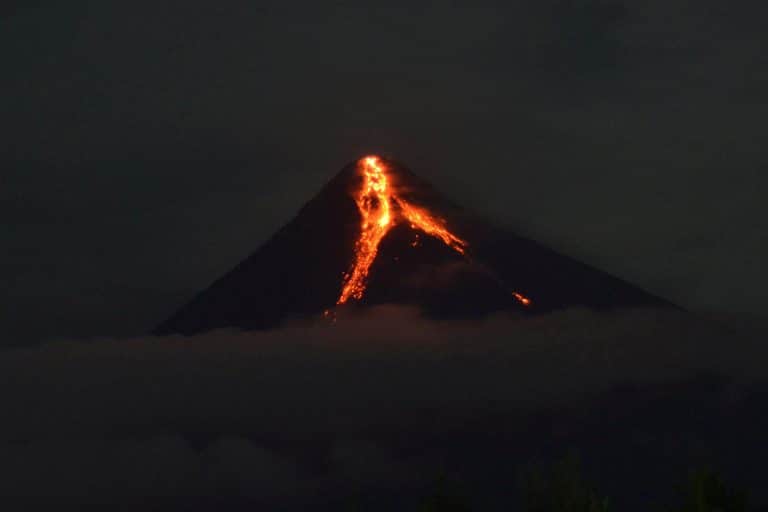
380,208
375,204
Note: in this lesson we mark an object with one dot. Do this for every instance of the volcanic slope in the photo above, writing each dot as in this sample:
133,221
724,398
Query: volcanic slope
377,234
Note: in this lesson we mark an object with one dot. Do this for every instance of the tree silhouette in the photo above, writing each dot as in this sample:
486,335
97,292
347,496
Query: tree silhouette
445,499
707,492
561,489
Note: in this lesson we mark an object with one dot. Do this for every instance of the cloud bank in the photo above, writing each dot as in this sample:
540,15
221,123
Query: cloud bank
375,405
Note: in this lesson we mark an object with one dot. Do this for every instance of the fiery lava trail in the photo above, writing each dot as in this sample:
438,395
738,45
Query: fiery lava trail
420,218
525,301
376,202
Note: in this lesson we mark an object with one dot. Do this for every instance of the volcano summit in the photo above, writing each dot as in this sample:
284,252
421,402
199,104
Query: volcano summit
376,234
381,207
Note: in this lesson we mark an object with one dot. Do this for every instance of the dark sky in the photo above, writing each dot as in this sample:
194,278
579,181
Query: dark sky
148,146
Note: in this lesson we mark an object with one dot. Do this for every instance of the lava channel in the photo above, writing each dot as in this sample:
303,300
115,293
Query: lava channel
376,202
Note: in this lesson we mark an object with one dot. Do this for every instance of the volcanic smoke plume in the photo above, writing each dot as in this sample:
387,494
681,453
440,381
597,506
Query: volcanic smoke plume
378,234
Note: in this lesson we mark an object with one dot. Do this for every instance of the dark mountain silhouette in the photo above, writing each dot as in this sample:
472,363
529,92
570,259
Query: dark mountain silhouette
298,273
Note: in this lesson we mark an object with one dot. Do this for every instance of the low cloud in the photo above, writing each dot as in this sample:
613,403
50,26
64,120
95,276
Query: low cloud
319,413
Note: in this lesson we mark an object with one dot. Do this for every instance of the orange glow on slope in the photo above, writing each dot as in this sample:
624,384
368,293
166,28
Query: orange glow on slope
421,219
375,201
525,301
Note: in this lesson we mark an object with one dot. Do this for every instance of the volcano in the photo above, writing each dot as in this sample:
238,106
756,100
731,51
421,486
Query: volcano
378,234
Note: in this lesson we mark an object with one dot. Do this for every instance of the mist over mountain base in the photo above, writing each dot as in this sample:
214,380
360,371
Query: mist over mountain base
322,416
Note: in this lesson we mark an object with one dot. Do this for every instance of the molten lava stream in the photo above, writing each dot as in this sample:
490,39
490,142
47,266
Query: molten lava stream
525,301
421,219
376,201
374,204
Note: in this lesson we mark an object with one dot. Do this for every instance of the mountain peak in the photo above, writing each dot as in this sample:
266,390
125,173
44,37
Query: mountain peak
377,233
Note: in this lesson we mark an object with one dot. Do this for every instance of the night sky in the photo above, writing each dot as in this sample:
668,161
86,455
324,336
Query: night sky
148,146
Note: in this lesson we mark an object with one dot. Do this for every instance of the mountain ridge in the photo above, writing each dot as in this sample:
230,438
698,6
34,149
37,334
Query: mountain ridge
300,270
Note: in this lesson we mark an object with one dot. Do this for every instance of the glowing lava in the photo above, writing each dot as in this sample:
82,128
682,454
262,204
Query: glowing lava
375,204
380,208
421,219
525,301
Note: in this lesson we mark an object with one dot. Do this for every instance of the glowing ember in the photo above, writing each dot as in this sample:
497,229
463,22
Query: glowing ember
376,201
525,301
